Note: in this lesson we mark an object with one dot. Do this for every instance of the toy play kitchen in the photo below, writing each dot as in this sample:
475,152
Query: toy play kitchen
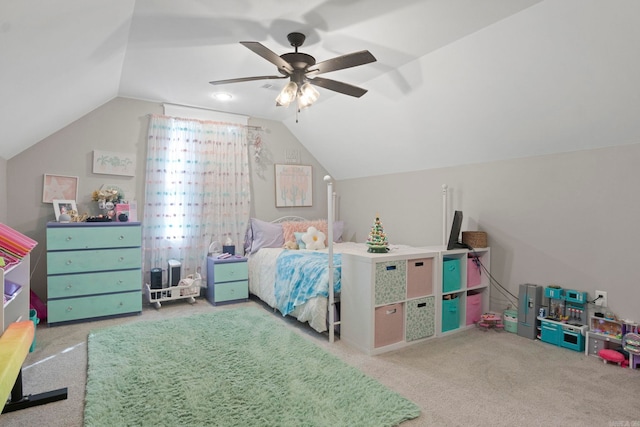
565,323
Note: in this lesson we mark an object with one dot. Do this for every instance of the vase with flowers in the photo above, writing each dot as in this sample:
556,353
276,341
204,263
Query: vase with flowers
107,198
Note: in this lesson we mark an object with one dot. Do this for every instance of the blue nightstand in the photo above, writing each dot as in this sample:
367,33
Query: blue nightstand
227,280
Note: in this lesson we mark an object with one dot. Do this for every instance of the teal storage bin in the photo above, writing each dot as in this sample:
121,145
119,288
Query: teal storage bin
450,314
450,274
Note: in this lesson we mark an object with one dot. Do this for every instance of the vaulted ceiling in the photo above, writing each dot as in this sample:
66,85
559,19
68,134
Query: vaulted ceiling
455,82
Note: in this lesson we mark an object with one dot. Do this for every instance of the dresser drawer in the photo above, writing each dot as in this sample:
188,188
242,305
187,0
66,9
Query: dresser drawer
231,291
65,262
390,282
105,236
72,285
64,310
231,271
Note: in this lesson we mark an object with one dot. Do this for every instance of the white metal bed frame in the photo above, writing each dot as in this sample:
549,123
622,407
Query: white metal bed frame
331,306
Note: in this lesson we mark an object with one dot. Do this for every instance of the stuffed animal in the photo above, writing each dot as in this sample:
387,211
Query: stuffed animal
290,245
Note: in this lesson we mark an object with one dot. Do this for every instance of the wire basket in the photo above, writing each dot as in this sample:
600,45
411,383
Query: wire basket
475,239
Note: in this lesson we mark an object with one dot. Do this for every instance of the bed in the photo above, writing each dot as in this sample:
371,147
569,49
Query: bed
301,283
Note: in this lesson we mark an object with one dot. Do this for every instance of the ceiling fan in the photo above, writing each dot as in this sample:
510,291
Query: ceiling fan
302,70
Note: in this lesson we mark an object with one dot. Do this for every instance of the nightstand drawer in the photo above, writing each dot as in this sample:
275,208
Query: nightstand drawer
65,262
82,237
72,285
227,272
231,291
65,310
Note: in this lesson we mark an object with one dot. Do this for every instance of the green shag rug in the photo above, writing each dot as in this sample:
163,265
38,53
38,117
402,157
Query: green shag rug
236,367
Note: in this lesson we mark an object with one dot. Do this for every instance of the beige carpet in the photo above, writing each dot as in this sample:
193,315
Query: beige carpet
473,378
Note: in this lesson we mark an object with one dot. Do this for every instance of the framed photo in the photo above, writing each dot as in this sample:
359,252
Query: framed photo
294,185
59,187
64,207
110,163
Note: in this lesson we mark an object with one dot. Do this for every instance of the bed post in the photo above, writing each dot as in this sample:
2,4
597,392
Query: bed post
330,219
444,214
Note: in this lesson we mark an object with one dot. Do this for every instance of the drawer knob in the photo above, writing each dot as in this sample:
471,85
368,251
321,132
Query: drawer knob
69,308
69,262
121,259
69,238
121,237
120,282
69,286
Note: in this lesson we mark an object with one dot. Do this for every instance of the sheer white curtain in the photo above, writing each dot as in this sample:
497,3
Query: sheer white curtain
197,190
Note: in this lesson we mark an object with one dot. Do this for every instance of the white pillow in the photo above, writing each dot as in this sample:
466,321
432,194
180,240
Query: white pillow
313,239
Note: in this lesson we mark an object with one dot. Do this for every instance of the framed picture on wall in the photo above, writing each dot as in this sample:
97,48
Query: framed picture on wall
294,185
111,163
59,187
64,207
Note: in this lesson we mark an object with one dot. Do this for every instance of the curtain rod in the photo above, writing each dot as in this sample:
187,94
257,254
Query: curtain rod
251,127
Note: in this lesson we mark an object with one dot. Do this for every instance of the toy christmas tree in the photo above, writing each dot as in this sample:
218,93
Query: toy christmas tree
377,240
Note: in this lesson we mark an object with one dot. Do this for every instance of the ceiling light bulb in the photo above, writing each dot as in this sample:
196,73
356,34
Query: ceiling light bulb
308,95
287,95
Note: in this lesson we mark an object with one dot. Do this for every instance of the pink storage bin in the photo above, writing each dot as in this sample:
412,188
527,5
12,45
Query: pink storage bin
389,324
474,275
474,308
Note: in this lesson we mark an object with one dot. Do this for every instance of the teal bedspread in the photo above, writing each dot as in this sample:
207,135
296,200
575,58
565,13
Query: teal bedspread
301,275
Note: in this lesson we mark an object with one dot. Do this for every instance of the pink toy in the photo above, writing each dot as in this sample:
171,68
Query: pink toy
609,355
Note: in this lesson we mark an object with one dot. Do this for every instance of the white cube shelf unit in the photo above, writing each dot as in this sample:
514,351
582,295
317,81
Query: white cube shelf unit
388,300
409,295
464,286
17,307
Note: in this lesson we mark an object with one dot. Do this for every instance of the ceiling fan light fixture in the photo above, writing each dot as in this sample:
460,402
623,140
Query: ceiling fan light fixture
307,96
222,96
287,94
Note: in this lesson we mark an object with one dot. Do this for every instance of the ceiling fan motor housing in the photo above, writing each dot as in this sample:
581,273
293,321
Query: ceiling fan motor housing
296,39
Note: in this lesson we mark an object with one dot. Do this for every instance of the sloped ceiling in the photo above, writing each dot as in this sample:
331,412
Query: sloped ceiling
456,81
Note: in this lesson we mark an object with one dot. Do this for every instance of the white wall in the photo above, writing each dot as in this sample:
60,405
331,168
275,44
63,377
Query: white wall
567,219
277,139
3,190
121,126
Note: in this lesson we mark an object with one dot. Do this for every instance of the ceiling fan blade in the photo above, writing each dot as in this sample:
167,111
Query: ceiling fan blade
269,55
340,87
246,79
341,62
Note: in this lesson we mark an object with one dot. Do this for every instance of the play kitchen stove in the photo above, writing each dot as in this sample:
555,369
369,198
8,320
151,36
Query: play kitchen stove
566,322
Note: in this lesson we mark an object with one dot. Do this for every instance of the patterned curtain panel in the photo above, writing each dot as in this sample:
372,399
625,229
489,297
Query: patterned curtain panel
197,190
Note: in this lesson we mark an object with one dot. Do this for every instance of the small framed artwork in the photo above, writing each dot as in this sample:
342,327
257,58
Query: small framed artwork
59,187
64,207
110,163
294,185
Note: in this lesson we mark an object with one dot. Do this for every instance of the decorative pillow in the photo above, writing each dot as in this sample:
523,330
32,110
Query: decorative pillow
264,235
299,240
314,239
290,227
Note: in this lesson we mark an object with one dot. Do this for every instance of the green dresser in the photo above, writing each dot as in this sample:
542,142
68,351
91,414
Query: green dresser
93,270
